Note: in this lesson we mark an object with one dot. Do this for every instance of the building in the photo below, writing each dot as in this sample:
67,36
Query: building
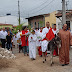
6,25
68,19
51,18
37,21
13,20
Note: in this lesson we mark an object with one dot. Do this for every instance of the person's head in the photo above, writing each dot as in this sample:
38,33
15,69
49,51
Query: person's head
36,28
54,26
41,28
7,28
64,26
33,32
24,28
8,32
47,24
3,28
19,30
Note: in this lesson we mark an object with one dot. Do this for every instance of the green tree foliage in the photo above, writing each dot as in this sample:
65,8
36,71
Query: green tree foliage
41,23
19,27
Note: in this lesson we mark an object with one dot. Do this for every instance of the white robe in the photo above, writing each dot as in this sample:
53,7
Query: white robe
38,43
45,42
32,46
55,31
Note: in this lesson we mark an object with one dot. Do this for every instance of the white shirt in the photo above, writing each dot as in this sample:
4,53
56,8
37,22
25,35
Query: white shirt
0,34
3,34
44,32
18,35
55,31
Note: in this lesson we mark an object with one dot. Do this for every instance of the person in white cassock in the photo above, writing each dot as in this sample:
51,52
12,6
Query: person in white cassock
45,40
32,45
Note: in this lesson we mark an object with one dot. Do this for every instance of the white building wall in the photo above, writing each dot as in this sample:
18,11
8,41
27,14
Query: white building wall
59,23
71,25
10,20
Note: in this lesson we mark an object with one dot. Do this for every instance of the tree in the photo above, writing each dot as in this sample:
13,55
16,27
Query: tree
41,23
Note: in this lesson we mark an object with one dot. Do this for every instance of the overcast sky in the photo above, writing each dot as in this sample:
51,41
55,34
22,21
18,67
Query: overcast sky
30,7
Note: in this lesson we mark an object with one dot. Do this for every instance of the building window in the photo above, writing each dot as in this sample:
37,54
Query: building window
35,24
68,24
38,25
31,24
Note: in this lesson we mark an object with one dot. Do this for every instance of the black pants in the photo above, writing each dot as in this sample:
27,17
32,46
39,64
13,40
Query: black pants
3,43
8,46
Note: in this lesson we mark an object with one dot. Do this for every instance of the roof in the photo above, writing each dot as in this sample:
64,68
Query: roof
5,24
38,16
68,13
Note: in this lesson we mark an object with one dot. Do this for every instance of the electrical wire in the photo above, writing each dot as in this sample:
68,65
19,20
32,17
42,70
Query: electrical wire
43,7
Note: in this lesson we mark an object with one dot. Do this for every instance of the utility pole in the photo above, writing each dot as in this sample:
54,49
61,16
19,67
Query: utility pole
67,4
63,13
19,12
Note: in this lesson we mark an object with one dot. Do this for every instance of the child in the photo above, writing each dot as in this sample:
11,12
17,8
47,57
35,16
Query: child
32,45
8,39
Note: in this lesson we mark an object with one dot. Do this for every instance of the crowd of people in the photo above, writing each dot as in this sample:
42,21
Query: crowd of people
36,41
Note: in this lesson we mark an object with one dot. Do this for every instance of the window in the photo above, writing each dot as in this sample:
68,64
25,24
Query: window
68,24
35,24
38,25
31,24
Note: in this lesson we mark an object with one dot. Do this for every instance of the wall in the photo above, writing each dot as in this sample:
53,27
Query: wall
51,18
71,25
37,20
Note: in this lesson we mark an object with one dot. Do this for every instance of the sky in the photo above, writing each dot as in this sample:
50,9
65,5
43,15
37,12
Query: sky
30,8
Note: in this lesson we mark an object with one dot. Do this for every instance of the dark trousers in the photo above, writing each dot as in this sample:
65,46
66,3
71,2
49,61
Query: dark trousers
20,48
3,43
8,45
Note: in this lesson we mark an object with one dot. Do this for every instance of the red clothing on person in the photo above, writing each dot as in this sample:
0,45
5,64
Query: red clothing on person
50,35
40,51
23,39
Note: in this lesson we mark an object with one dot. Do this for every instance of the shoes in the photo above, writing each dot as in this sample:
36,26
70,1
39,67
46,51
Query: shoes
66,64
45,59
63,64
33,58
43,62
41,56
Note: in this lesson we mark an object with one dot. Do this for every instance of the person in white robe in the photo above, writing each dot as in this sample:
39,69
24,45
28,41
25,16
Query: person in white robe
44,40
32,45
37,43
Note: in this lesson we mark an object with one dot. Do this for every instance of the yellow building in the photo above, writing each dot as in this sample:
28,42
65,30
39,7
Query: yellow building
51,18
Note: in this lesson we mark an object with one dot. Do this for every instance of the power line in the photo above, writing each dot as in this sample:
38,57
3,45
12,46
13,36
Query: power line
39,5
43,7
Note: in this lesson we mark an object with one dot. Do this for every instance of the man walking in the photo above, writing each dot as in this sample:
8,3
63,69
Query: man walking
3,37
64,50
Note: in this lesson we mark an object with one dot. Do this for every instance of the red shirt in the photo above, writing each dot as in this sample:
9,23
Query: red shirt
23,40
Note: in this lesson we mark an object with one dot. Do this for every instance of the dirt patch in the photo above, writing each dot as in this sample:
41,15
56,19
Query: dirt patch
6,63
